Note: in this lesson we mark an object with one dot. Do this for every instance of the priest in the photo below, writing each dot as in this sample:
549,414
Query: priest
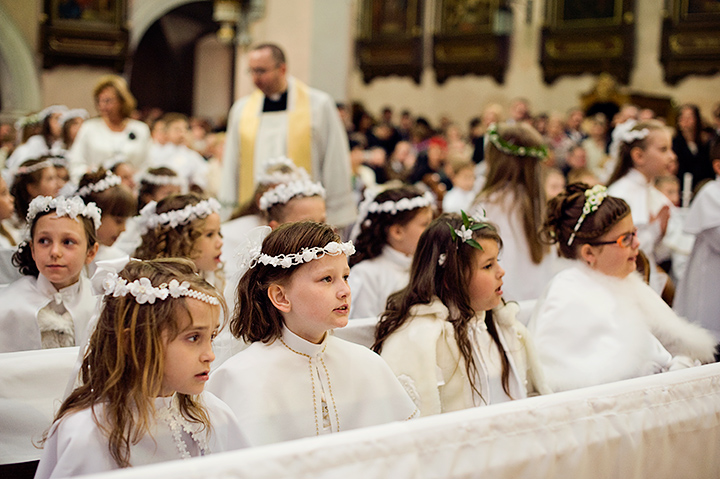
285,117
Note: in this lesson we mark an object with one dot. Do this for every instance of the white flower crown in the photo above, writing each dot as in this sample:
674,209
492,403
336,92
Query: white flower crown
144,292
109,181
149,219
250,252
593,199
71,207
24,121
284,192
274,174
26,170
369,205
162,180
74,113
51,110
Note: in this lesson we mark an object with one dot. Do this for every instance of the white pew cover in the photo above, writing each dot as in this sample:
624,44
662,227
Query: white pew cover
662,426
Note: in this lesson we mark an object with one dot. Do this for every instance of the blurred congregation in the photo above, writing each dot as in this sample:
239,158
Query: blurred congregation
256,222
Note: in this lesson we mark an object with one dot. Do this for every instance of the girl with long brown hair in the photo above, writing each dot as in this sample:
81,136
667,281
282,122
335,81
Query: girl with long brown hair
141,400
449,336
514,197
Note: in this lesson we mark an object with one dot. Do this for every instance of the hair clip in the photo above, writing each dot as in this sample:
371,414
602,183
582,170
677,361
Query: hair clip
465,233
593,199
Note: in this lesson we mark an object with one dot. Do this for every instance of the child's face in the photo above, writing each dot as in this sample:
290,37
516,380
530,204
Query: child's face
163,191
404,238
189,354
485,285
554,184
658,157
60,250
464,179
613,259
304,208
671,190
63,176
316,298
49,184
209,245
7,202
126,172
110,229
177,132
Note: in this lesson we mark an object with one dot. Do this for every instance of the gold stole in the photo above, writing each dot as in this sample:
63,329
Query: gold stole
299,126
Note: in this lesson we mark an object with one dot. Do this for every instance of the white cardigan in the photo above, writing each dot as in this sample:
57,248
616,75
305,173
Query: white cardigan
425,356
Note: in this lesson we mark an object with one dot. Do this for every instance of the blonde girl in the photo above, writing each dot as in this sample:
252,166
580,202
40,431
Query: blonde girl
141,400
184,226
386,233
296,379
448,335
51,305
514,197
645,153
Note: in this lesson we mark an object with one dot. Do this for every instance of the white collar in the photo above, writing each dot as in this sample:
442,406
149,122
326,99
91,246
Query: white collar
397,257
64,295
635,176
298,345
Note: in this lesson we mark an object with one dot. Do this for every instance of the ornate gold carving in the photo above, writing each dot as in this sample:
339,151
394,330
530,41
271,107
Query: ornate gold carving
604,48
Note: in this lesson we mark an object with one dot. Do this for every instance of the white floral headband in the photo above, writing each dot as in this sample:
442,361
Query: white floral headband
284,192
250,252
469,225
71,114
593,199
51,110
26,170
149,219
109,181
144,292
24,121
162,180
71,207
370,206
274,172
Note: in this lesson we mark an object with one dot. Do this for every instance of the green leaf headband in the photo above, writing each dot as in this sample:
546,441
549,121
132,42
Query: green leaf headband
469,224
593,199
539,152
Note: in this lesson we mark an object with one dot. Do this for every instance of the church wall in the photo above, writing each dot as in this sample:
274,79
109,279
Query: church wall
462,98
319,54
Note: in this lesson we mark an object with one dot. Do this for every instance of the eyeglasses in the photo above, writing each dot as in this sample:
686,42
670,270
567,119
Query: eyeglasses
624,241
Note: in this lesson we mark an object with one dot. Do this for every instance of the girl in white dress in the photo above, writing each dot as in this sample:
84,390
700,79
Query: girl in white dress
36,177
449,336
645,153
297,379
184,226
387,232
117,204
598,321
514,197
697,297
51,305
8,234
142,399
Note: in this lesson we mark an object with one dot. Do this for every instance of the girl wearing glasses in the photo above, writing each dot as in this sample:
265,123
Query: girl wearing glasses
598,321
